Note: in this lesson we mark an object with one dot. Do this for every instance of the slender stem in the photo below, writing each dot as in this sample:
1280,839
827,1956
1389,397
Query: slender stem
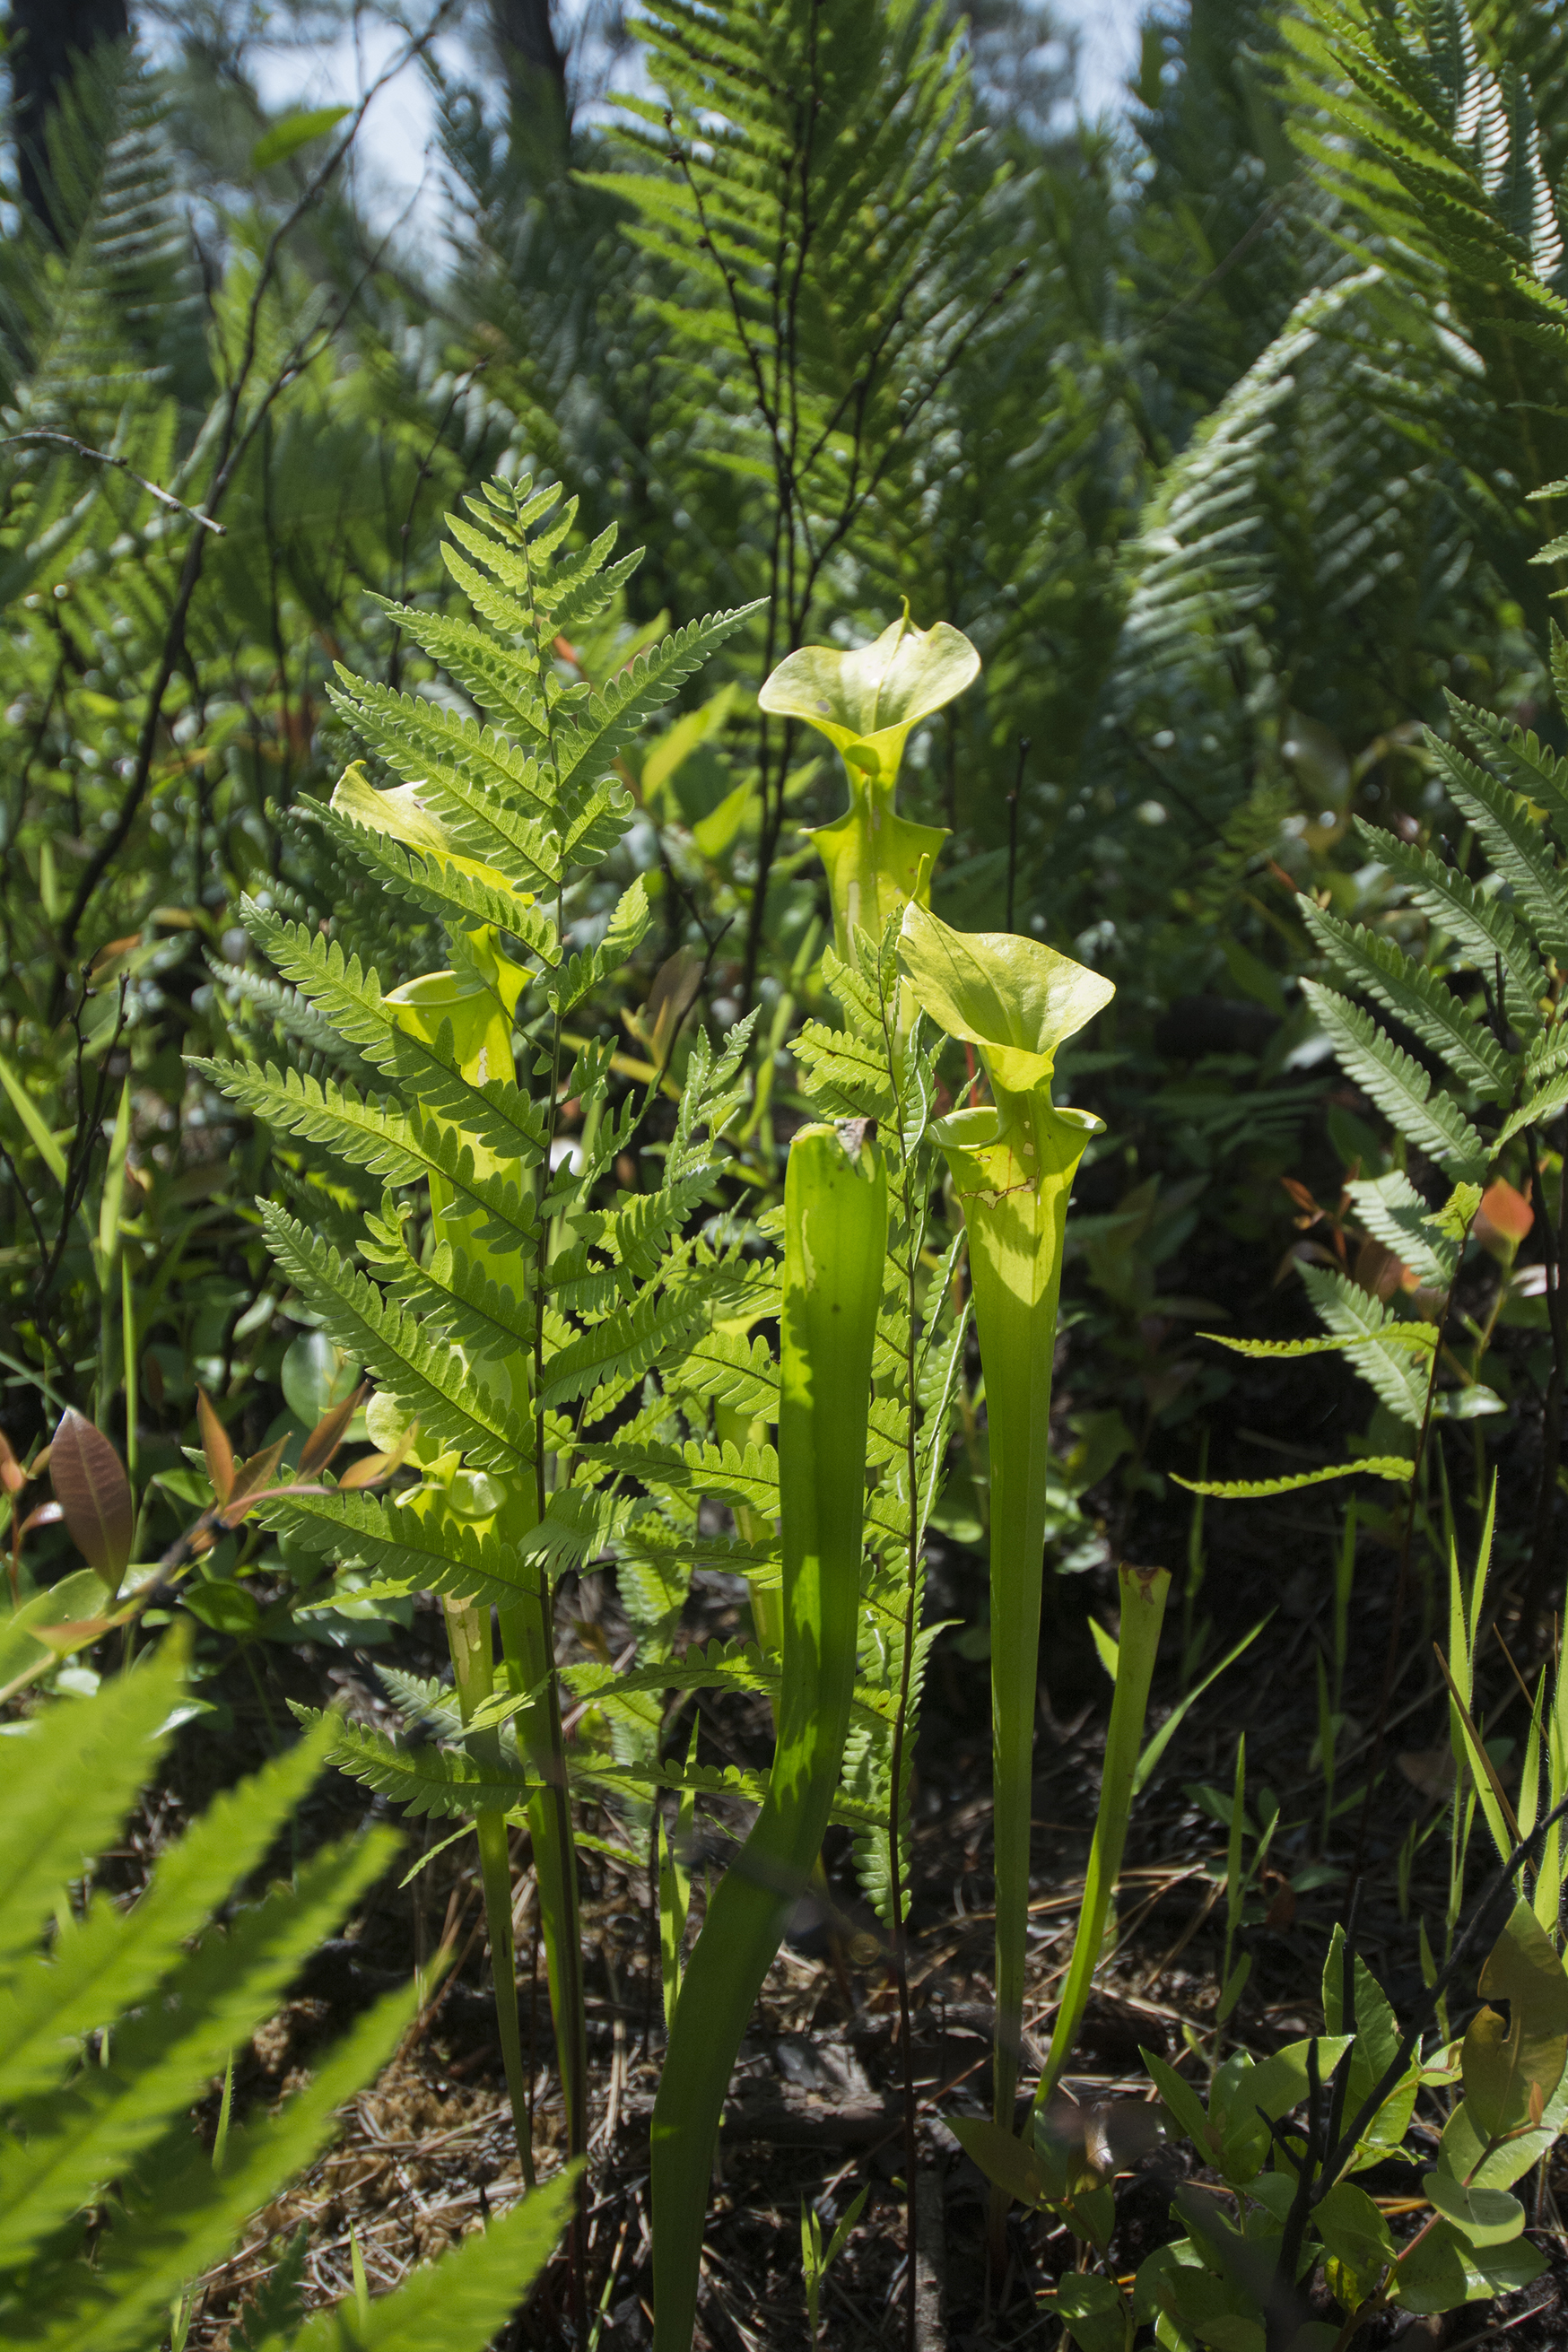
900,1725
1012,799
570,2022
1541,1555
1401,1588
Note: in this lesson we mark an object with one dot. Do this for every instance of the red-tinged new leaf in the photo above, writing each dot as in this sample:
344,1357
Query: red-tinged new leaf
327,1434
249,1482
13,1477
94,1495
215,1446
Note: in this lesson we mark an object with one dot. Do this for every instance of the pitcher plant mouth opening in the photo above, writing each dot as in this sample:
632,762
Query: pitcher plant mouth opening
866,702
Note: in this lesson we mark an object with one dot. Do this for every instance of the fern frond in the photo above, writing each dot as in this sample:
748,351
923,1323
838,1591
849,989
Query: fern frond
1482,924
401,1147
441,1781
1392,1466
71,1778
1393,1212
108,1960
494,801
1533,769
455,1295
1417,995
404,1549
581,974
459,892
1398,1086
613,717
433,1382
1354,1314
1514,842
842,1073
494,1114
64,2143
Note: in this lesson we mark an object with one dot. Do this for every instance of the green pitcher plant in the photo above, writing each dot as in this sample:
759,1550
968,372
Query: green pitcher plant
1012,1163
836,1238
867,703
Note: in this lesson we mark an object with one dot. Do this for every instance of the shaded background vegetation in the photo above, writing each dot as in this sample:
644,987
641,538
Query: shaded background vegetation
1223,458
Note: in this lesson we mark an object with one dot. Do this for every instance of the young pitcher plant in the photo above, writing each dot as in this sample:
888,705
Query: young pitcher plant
1017,1002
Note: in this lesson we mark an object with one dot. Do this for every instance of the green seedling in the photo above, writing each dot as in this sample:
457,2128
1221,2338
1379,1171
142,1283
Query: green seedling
835,1235
866,703
1144,1592
1011,1165
818,2259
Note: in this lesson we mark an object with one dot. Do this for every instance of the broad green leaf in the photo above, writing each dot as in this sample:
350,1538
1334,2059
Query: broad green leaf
1508,2061
1093,2312
295,130
1483,2216
1442,2270
1003,2158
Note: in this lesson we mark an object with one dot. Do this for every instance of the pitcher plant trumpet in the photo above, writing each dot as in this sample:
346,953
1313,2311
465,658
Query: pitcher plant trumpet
867,703
1012,1163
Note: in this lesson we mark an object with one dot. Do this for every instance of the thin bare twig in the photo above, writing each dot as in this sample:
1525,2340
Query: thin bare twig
107,457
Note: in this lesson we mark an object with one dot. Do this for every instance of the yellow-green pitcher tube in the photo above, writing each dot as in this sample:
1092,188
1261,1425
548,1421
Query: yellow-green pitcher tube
1012,1170
835,1240
1011,1165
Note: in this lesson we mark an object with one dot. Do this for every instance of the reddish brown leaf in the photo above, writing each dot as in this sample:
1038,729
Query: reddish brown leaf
215,1446
249,1482
363,1472
13,1477
94,1494
75,1634
1281,1911
112,948
327,1434
1377,1270
47,1515
1503,1218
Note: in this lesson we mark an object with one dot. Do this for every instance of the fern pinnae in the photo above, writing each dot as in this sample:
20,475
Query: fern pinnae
433,1381
474,782
1515,842
1533,769
1354,1314
455,1296
1482,924
405,1550
1417,996
70,2142
493,1112
1398,1085
438,885
423,1779
370,1132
